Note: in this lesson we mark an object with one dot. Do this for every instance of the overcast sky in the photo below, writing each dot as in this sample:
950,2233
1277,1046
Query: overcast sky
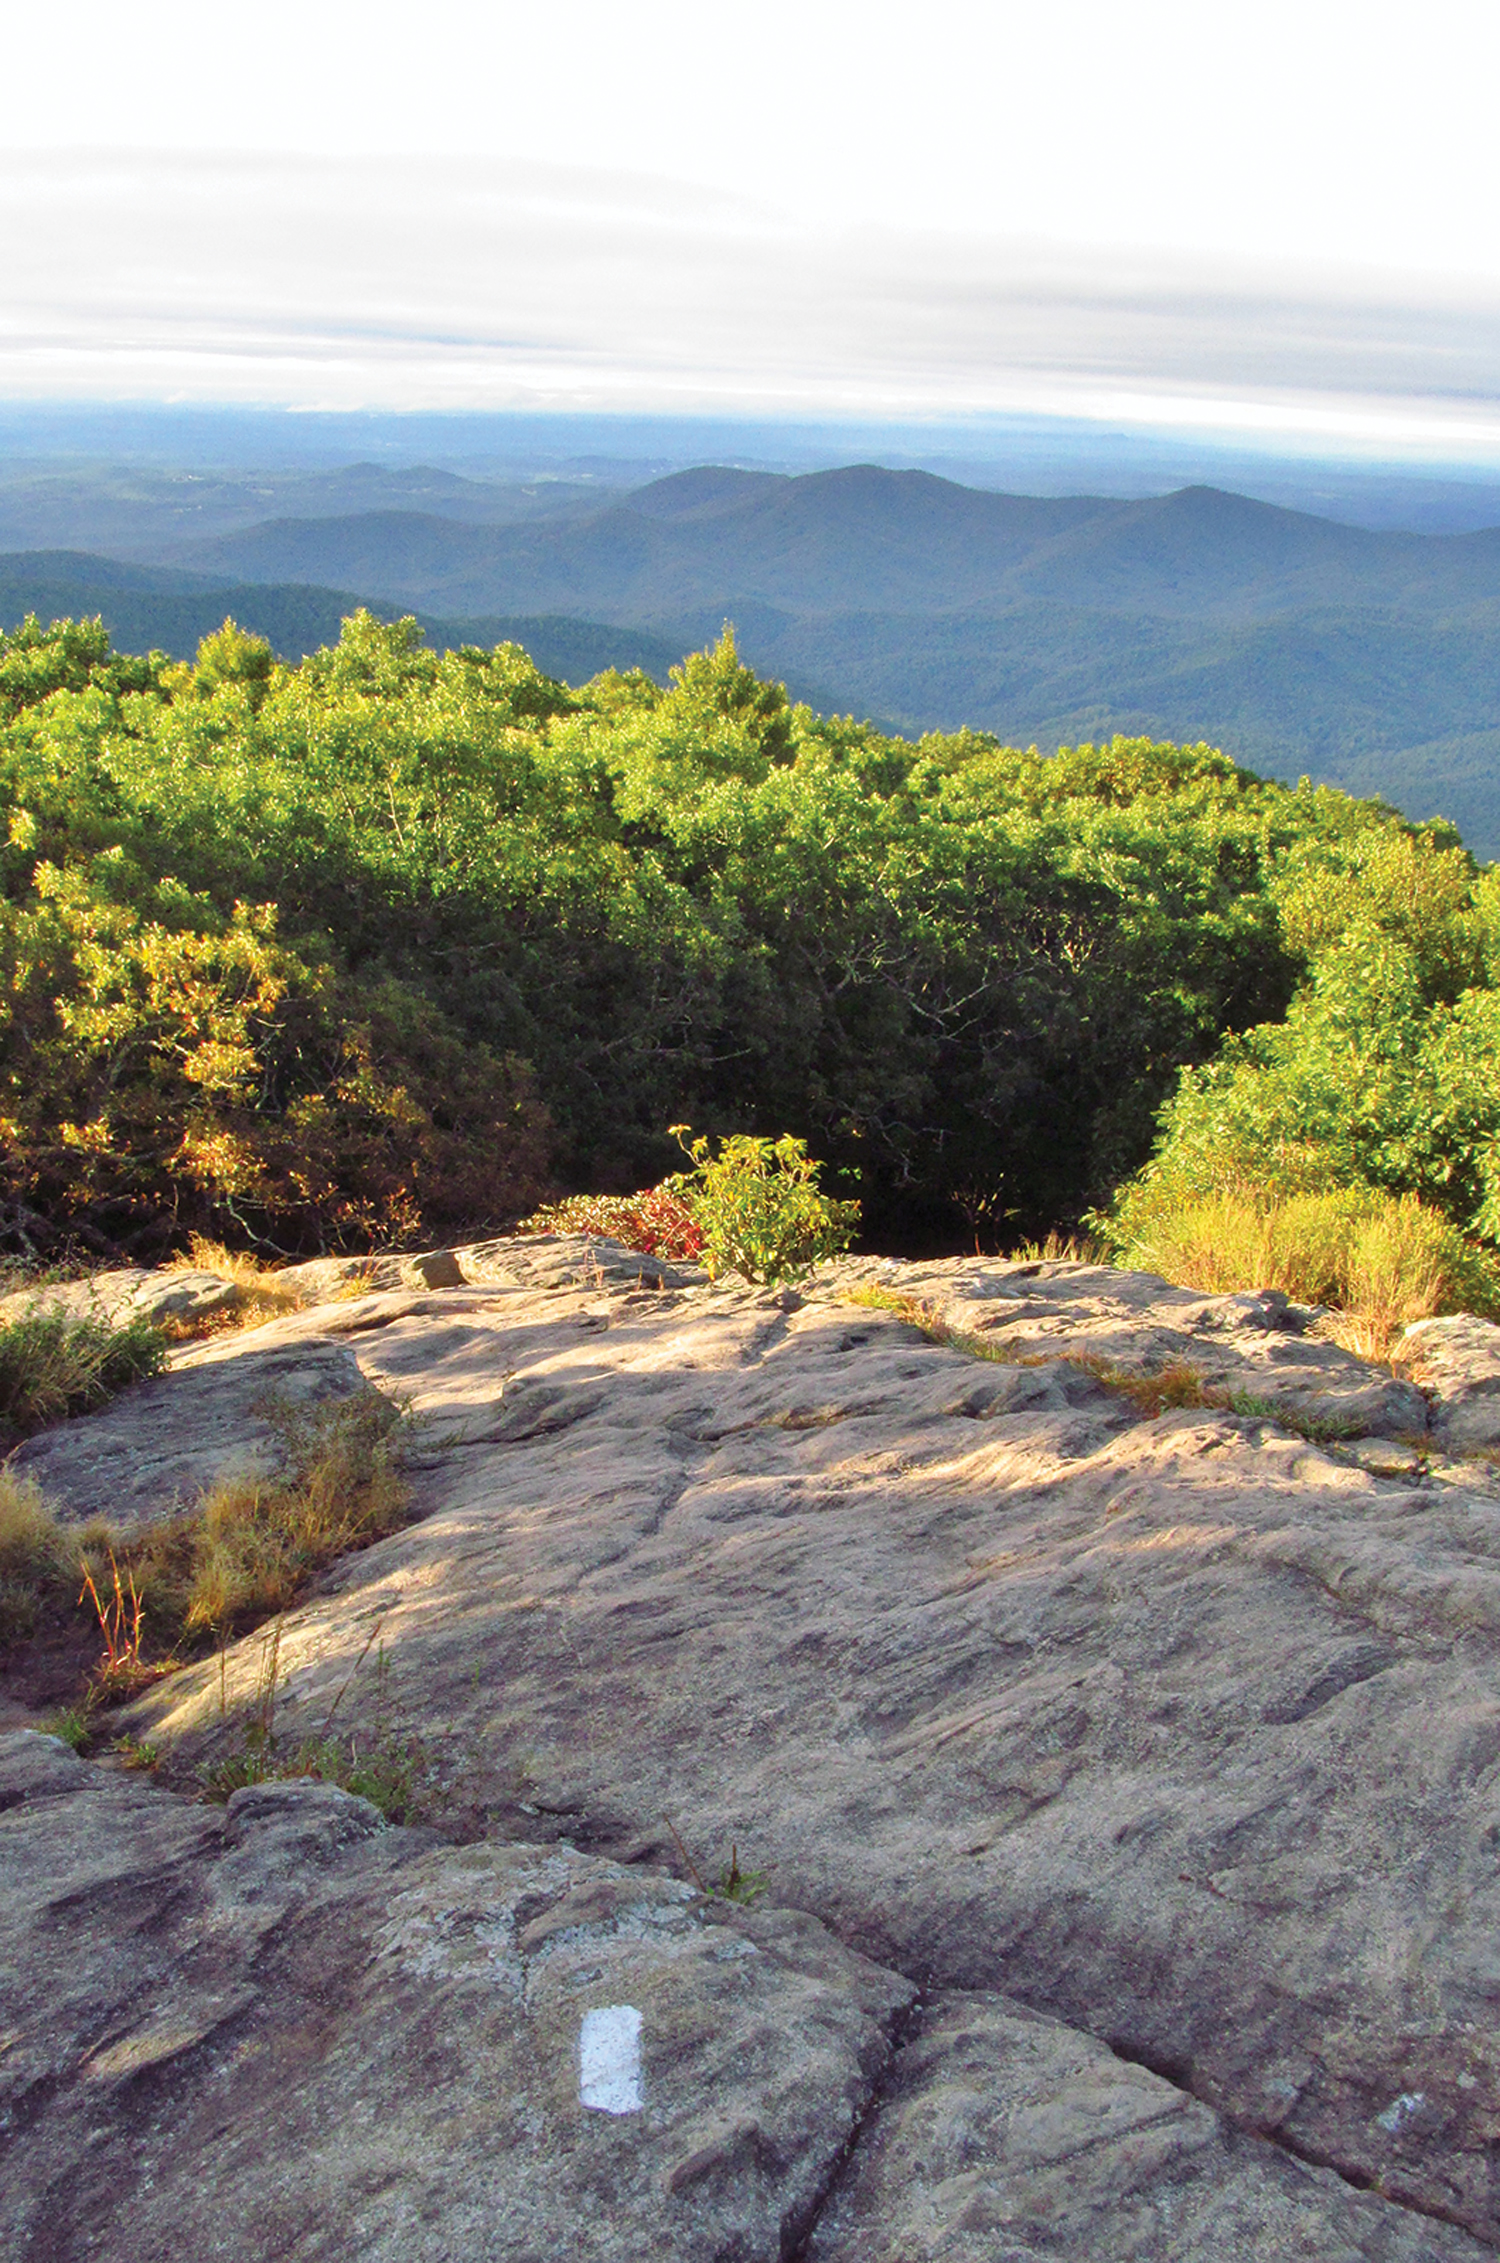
1276,222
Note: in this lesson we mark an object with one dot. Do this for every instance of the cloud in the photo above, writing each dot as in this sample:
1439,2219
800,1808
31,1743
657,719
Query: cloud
470,283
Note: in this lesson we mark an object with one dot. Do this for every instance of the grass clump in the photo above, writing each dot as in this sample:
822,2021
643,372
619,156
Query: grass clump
263,1295
1378,1261
56,1364
388,1771
255,1542
35,1559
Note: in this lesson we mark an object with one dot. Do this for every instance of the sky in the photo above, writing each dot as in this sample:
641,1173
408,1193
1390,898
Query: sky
1274,223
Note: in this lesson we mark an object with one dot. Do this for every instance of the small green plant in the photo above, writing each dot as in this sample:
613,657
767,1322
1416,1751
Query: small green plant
56,1364
387,1770
760,1208
734,1884
73,1723
132,1752
742,1886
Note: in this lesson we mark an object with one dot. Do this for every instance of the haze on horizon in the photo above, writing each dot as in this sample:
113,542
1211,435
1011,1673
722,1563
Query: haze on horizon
1273,227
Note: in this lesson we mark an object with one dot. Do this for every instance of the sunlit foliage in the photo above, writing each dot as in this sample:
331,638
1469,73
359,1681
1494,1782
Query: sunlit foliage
389,939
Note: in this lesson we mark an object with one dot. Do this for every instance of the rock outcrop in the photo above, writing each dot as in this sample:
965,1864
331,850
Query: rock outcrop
1457,1361
1137,1775
162,1443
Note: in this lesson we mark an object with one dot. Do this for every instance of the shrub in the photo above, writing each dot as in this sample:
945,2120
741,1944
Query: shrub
55,1364
759,1206
657,1222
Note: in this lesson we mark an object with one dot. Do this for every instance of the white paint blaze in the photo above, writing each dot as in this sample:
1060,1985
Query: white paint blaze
609,2059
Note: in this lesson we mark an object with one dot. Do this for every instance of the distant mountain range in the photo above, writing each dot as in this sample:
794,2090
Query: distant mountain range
149,608
1297,643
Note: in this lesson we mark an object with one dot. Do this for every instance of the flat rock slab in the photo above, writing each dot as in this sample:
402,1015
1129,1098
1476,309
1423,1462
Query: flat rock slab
1183,1731
1249,1348
1457,1363
152,1451
287,2031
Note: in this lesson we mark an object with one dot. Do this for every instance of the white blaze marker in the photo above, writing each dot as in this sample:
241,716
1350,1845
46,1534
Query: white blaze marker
609,2060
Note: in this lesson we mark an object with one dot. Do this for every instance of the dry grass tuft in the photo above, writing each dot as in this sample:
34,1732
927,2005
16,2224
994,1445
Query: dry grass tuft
263,1295
245,1553
1377,1261
35,1558
1056,1248
258,1541
54,1364
1179,1385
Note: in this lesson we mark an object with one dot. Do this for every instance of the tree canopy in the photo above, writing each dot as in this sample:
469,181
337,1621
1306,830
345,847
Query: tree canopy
391,940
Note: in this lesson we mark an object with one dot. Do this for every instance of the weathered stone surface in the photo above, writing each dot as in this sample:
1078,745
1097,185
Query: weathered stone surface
554,1261
1457,1362
96,1296
287,2031
1251,1345
153,1450
130,1293
324,1277
1182,1730
1001,2134
1385,1457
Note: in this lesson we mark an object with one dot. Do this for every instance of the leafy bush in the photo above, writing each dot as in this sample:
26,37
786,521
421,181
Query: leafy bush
657,1222
759,1208
166,1069
54,1364
341,953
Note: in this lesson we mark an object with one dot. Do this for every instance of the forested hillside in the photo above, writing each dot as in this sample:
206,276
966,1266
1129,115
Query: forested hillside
1365,658
393,941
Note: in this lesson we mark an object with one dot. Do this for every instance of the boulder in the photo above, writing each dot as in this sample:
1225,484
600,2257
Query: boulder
1457,1363
322,1278
129,1293
283,2027
153,1450
550,1261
